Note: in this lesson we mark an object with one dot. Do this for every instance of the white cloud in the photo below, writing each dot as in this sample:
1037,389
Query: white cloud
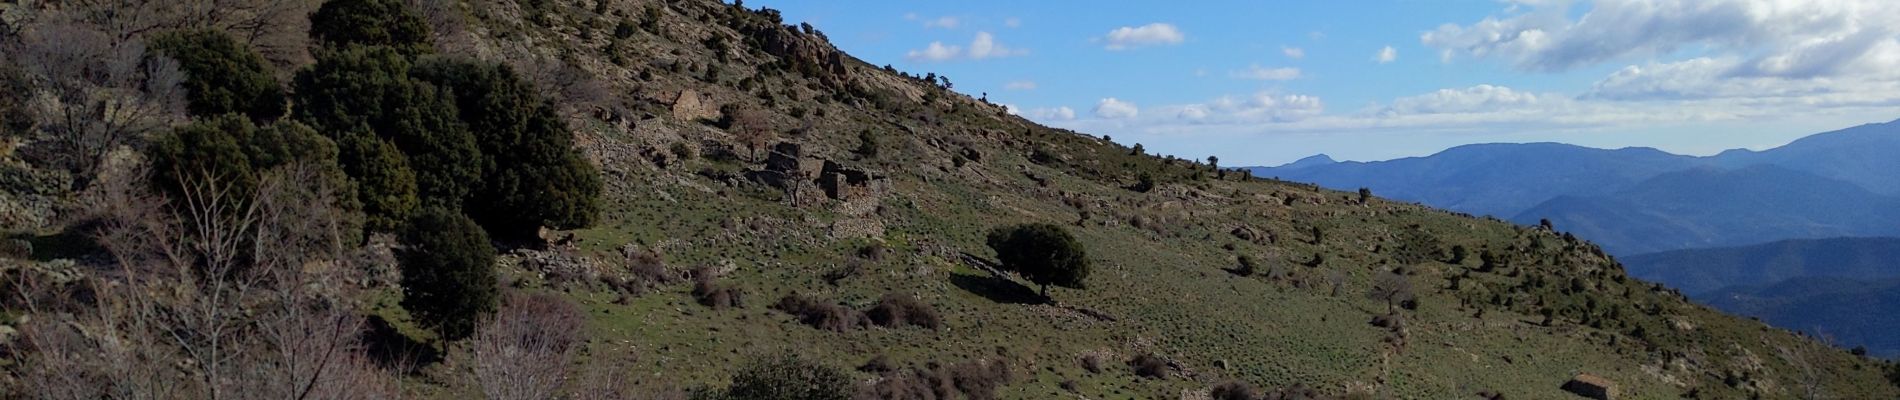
1112,108
984,46
1011,109
1480,98
1779,37
1257,72
936,51
1013,22
1053,114
1127,37
1020,85
1386,55
1293,52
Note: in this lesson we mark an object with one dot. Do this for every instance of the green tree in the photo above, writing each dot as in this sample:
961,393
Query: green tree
371,87
1042,253
227,156
344,23
867,144
532,176
222,76
448,273
386,186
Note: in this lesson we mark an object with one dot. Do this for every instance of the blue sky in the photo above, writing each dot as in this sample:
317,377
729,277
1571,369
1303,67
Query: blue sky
1267,82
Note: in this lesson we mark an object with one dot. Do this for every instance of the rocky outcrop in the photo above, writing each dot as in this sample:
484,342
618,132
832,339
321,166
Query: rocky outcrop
1591,386
689,105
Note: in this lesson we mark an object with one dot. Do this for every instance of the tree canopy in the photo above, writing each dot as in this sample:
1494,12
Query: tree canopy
1042,253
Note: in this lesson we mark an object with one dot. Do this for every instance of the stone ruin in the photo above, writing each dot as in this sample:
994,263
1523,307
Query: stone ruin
801,176
1591,386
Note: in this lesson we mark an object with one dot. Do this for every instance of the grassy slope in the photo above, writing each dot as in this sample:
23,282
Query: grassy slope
1163,281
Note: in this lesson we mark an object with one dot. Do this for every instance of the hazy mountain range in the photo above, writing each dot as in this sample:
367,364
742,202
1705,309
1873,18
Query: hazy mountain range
1640,200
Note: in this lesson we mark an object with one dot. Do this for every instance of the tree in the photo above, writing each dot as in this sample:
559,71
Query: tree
344,23
234,153
867,144
222,76
1137,150
532,176
93,90
386,186
370,87
448,273
1392,288
1365,196
1042,253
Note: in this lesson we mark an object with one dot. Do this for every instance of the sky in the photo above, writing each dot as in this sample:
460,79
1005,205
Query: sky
1269,82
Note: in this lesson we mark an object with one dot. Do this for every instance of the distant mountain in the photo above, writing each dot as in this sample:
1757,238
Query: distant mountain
1711,207
1312,161
1863,155
1494,179
1699,271
1848,312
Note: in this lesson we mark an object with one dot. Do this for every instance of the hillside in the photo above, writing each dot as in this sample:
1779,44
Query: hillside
1860,155
1698,271
1848,312
787,175
1491,179
1714,208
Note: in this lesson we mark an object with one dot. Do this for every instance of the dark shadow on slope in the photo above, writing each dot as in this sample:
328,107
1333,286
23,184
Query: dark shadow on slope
996,289
395,351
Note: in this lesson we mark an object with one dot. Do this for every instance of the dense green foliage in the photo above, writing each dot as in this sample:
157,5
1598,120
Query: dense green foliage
1043,253
370,87
531,174
222,75
448,273
342,23
387,187
229,154
788,377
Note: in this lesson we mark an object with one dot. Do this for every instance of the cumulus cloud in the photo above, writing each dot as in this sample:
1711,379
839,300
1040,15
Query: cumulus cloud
983,46
1053,114
1480,98
1112,108
1129,37
1293,52
1020,85
1386,55
1257,72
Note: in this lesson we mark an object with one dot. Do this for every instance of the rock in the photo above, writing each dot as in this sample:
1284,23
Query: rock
688,106
1591,386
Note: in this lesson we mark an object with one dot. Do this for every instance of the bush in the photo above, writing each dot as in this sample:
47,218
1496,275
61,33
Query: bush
222,76
343,23
1235,390
709,292
531,174
788,377
897,309
1149,366
369,87
1042,253
973,379
448,272
820,314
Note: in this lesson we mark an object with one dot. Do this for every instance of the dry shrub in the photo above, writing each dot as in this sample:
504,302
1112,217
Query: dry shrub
820,314
899,309
1235,390
851,269
523,353
1149,366
711,293
1092,362
972,379
646,269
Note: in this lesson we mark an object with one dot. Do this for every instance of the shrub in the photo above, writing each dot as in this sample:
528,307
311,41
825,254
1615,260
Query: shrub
788,377
973,379
867,144
531,175
1235,390
448,273
1392,288
820,314
1042,253
342,23
1092,363
1149,366
709,292
370,88
222,76
896,310
1247,266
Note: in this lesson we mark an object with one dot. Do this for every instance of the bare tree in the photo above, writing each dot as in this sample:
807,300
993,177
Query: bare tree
524,351
1392,288
752,128
94,92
